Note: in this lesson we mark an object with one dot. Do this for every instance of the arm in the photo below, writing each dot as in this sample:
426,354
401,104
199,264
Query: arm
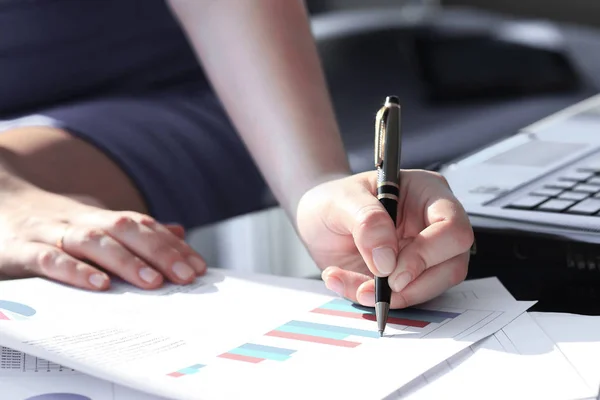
263,64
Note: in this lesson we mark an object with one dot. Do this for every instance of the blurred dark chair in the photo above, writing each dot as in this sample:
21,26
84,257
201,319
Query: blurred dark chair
370,53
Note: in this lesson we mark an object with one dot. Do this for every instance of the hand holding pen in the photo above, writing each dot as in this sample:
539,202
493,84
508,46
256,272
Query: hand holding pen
396,239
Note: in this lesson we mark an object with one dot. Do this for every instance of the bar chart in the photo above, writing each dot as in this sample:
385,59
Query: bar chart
187,371
333,330
321,333
413,317
255,353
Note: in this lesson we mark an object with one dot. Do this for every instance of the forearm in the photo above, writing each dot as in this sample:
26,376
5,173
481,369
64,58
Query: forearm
263,64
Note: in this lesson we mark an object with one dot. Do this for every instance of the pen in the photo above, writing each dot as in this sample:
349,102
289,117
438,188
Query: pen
387,162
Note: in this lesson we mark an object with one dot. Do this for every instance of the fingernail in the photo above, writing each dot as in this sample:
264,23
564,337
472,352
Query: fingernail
401,281
384,259
97,280
148,275
335,285
367,299
182,271
198,264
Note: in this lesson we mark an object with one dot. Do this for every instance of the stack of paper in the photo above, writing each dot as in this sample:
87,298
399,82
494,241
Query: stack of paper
255,336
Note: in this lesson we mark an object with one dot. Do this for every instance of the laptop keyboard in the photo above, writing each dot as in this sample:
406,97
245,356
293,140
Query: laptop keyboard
574,192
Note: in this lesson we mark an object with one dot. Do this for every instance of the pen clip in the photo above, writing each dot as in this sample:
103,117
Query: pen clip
380,135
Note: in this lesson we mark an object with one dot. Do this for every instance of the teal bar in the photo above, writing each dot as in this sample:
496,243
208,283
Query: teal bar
333,328
191,370
312,332
343,305
259,354
267,349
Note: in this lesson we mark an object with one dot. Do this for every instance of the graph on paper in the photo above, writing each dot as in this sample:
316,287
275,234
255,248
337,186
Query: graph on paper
338,324
11,310
13,361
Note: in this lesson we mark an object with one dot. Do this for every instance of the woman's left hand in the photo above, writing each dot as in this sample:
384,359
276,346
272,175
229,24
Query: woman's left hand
352,238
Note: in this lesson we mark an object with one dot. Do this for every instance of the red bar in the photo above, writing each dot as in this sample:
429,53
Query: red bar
313,339
371,317
175,374
239,357
2,316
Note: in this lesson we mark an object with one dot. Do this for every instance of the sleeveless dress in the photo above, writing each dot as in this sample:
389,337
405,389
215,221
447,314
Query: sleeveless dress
121,75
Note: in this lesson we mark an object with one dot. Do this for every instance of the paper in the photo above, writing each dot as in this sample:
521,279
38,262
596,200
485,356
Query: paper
578,338
259,332
518,362
26,377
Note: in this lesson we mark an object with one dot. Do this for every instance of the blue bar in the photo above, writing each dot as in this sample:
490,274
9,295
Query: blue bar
259,354
312,332
17,308
333,328
268,349
191,370
414,314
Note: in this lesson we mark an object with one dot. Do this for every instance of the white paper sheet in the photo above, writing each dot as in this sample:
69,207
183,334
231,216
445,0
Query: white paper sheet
578,338
25,377
191,345
518,362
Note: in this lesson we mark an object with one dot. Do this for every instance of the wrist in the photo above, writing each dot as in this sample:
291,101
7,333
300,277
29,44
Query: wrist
10,180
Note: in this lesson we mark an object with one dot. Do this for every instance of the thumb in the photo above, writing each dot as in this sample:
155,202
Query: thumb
373,231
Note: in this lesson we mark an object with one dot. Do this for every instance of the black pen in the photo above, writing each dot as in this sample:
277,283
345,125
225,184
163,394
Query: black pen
387,162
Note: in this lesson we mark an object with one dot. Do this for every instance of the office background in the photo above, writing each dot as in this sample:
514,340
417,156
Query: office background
265,241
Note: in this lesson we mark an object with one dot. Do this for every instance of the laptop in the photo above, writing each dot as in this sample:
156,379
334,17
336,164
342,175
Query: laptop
545,178
534,202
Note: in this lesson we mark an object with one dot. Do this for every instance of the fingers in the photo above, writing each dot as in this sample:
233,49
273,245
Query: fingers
173,235
374,233
151,242
360,288
343,282
102,249
448,235
176,230
433,282
38,259
143,241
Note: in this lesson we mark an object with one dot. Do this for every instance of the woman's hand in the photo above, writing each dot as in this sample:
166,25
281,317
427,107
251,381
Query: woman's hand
75,241
352,238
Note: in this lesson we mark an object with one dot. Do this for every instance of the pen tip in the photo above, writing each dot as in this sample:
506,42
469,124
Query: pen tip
392,100
380,333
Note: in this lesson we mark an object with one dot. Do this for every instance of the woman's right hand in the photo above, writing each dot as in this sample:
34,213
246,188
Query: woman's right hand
77,242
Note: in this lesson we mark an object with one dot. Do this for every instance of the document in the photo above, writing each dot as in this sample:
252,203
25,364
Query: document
518,362
25,377
578,338
235,335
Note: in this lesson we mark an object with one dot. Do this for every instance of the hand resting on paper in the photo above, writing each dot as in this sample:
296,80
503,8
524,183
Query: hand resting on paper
352,238
74,240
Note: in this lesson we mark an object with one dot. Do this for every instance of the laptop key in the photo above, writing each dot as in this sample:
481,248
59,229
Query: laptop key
548,192
527,202
583,187
586,207
555,205
568,195
578,176
595,180
561,184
